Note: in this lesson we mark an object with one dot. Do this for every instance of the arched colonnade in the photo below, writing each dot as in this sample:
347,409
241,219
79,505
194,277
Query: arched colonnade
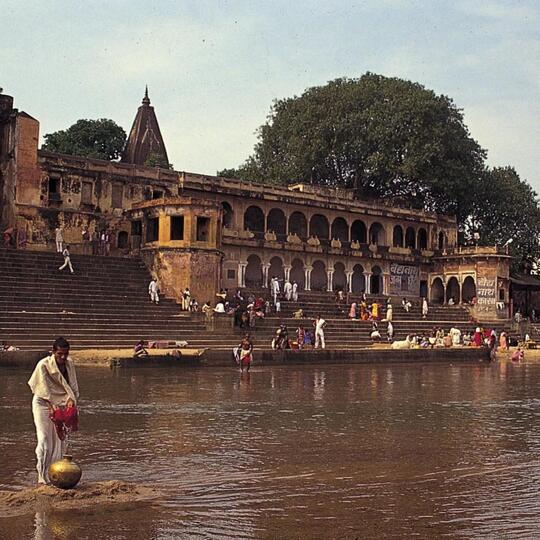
460,288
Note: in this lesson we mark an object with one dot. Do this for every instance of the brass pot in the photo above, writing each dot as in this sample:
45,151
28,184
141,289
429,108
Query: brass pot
65,473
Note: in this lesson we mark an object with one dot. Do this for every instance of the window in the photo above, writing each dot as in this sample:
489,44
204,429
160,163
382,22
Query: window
157,194
152,230
87,192
203,228
117,195
136,228
177,227
54,185
231,274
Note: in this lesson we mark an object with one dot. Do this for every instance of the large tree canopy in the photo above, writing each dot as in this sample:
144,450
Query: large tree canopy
101,139
385,137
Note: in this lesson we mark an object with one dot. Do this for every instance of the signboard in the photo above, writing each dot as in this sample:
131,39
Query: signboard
404,280
486,294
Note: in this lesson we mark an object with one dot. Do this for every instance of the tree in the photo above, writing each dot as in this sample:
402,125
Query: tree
506,207
384,137
100,139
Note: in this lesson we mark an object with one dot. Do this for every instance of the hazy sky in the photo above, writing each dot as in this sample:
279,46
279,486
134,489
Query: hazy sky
214,67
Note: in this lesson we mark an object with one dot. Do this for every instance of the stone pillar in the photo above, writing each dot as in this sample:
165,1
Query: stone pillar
349,275
460,281
242,274
367,278
330,275
265,268
287,270
307,272
386,284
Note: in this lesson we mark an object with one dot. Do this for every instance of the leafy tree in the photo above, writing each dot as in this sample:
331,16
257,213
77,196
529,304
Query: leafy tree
506,207
384,137
157,160
101,139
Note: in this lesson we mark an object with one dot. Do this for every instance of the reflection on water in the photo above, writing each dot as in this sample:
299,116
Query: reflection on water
398,451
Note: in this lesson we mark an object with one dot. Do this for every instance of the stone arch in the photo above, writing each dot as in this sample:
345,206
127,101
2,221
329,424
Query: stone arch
298,274
468,290
340,230
437,291
452,289
441,240
277,222
397,237
319,279
339,277
254,273
358,279
122,240
276,269
410,238
228,215
377,234
359,232
376,281
318,226
254,220
298,224
422,238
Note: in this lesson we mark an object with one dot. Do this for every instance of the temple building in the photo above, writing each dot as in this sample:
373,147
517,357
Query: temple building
207,232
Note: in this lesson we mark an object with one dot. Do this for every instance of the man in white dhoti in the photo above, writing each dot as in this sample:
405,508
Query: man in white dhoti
294,292
287,289
67,260
59,238
455,334
425,308
153,291
275,289
54,385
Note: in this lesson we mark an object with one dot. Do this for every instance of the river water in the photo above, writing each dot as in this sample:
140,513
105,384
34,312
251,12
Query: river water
297,452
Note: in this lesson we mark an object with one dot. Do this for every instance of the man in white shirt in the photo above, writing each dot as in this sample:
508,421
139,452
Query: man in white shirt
287,289
153,291
67,260
295,291
59,237
319,325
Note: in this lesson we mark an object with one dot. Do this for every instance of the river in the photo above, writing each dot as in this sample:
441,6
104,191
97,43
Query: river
298,452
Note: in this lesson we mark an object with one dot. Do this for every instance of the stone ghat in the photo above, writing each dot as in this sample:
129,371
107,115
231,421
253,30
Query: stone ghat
18,503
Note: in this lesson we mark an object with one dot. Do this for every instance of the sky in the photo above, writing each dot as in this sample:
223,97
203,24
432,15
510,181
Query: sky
213,68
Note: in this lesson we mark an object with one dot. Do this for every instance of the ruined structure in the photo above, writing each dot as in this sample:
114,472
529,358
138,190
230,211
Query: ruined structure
207,232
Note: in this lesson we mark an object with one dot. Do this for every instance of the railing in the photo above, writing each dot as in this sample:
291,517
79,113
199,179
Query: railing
474,250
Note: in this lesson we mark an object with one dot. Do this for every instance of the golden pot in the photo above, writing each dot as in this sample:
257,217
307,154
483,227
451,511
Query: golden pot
65,473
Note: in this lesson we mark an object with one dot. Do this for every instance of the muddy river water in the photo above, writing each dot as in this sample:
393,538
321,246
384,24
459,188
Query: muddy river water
394,451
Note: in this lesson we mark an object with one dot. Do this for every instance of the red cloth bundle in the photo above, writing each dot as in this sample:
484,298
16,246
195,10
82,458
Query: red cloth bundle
65,420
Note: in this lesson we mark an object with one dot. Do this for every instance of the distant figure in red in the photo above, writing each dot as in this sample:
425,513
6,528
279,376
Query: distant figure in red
477,339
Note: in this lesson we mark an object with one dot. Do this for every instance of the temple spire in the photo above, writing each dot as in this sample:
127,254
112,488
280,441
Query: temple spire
145,145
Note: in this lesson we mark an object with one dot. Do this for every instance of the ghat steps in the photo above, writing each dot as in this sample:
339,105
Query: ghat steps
105,304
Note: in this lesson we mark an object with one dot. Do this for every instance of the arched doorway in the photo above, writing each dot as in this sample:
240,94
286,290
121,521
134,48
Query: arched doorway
298,225
228,215
452,290
254,221
340,230
397,240
122,240
276,222
468,291
410,238
359,232
254,273
376,234
376,284
339,277
442,240
276,269
298,274
422,239
358,279
318,226
319,279
437,291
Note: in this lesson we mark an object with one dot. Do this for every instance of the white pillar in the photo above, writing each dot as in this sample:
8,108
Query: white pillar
307,272
349,280
367,277
265,268
242,274
287,270
386,284
329,274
